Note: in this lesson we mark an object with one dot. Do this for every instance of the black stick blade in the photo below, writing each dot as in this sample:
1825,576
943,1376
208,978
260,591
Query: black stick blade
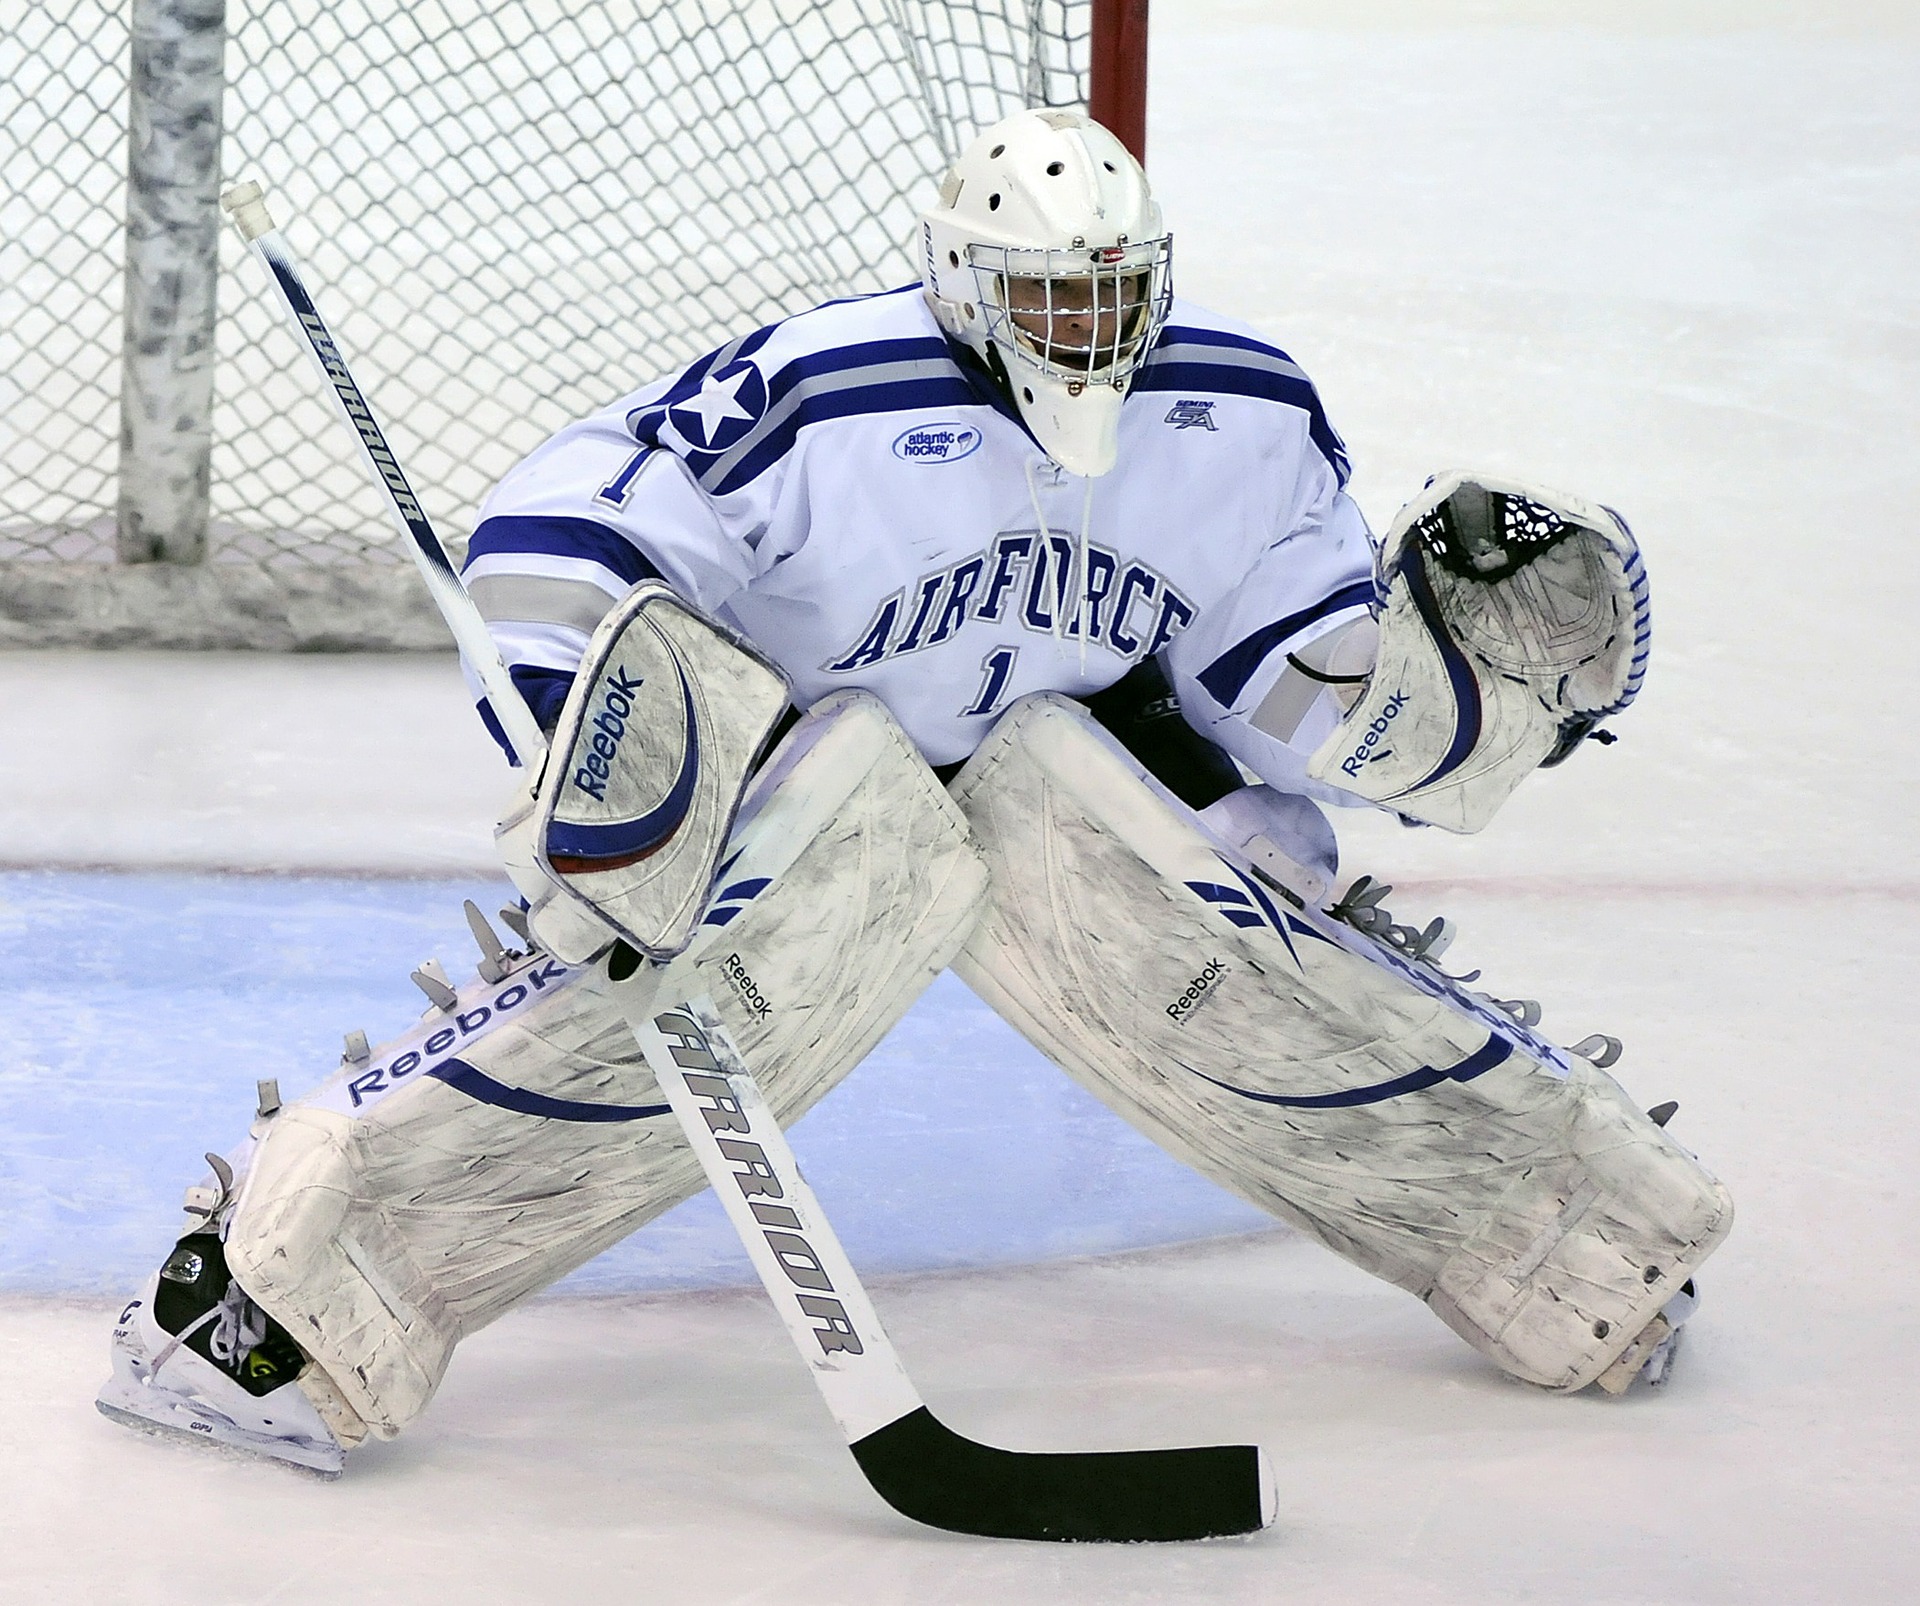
926,1471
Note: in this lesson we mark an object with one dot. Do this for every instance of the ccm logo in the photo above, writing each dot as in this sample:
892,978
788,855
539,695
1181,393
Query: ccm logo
937,443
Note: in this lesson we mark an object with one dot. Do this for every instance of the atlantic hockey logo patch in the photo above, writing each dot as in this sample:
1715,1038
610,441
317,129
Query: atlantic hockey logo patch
937,443
728,403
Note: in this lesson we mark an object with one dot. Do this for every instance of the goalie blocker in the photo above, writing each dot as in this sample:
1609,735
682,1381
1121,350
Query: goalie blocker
620,833
1318,1071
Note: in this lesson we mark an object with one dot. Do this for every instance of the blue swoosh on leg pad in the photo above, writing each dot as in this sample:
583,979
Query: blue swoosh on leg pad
1495,1052
476,1084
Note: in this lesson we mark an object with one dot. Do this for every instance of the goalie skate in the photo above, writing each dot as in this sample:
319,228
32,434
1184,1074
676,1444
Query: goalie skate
195,1358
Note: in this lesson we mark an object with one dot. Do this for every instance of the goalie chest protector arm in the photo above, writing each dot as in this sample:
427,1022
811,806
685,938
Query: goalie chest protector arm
1514,619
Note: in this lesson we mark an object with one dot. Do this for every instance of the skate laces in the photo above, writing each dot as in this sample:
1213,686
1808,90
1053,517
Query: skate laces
239,1325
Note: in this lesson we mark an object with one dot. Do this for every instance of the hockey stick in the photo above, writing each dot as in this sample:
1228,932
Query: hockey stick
914,1462
247,206
918,1465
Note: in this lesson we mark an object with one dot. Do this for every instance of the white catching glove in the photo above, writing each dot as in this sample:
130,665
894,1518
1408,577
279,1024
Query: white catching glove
1515,619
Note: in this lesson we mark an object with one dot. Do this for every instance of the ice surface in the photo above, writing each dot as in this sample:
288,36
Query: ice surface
1662,255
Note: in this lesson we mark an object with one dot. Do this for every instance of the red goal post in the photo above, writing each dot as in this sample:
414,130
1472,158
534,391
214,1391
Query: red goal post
1118,91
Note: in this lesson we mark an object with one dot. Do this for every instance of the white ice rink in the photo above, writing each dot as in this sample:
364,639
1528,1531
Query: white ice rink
1662,254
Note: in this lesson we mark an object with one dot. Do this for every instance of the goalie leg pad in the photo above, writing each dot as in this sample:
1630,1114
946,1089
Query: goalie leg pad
517,1132
1316,1071
1515,620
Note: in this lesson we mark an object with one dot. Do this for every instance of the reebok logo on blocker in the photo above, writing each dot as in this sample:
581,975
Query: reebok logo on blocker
608,726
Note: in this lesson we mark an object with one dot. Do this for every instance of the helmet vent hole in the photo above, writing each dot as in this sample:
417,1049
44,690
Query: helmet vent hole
1027,392
969,312
993,203
998,150
1055,169
1110,167
953,259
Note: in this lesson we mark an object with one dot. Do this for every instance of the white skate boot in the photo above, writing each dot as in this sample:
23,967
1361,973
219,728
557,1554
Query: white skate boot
195,1357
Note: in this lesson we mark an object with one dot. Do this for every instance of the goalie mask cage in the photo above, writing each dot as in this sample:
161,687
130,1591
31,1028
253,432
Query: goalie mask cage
516,211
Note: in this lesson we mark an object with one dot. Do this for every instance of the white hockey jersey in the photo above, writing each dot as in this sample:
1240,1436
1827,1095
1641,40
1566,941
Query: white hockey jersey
850,490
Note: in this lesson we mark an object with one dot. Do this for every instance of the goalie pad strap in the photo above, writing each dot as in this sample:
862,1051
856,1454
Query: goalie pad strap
504,1141
1316,1072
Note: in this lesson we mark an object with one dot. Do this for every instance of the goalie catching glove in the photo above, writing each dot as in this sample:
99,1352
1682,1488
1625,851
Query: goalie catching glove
619,833
1515,619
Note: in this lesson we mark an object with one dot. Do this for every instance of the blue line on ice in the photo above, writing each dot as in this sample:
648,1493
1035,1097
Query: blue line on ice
143,1007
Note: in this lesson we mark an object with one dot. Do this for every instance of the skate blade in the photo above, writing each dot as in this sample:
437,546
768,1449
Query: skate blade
1649,1358
311,1460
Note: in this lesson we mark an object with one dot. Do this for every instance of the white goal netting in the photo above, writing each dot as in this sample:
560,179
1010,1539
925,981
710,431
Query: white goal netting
514,210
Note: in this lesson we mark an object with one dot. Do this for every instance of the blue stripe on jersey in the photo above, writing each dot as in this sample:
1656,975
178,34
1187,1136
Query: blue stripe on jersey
719,357
886,397
1276,378
772,436
563,538
912,288
546,693
869,353
544,689
1227,676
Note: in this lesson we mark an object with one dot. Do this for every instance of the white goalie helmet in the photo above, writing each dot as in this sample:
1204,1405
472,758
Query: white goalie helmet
1046,255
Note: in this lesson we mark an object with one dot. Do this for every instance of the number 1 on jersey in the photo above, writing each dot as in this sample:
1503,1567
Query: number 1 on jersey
996,670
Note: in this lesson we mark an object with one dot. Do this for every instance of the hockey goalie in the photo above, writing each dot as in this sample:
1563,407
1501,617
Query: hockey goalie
1016,620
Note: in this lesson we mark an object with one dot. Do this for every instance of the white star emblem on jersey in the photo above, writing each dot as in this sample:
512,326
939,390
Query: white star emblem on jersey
717,402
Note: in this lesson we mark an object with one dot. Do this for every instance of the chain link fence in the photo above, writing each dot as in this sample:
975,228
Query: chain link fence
514,210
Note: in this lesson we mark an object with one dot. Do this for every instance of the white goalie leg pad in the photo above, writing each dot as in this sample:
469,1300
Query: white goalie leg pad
516,1132
1315,1071
1516,619
622,830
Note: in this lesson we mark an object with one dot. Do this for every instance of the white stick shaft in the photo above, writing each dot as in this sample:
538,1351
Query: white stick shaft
746,1158
470,633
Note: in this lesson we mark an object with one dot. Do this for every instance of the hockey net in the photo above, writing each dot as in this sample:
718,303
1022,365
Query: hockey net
515,210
